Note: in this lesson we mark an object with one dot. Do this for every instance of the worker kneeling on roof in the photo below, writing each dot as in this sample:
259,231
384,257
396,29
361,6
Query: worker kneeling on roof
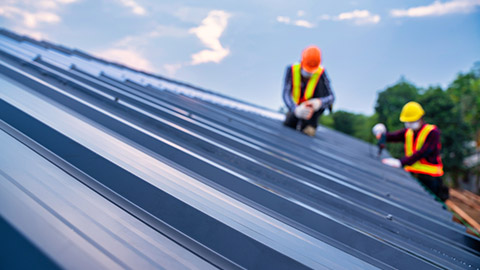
306,92
422,148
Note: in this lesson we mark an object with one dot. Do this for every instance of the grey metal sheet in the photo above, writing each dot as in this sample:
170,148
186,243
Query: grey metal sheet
282,237
247,139
298,161
312,209
57,212
12,47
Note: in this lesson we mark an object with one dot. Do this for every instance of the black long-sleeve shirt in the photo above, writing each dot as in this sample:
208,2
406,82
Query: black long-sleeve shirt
322,90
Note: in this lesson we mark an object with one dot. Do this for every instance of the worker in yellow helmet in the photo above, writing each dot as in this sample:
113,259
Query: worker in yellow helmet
306,92
422,148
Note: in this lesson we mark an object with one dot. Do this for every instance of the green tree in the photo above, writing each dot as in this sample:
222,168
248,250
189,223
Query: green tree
344,122
356,125
465,93
391,100
327,120
363,127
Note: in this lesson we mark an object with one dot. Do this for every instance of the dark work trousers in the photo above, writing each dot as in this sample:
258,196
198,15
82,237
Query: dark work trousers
434,184
293,122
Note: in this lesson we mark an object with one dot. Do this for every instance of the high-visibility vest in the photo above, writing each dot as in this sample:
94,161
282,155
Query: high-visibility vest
422,166
311,85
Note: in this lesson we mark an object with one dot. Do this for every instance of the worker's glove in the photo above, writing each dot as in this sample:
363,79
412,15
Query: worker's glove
303,111
378,130
315,103
392,162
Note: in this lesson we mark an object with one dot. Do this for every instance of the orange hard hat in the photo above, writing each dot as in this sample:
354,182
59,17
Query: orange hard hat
311,58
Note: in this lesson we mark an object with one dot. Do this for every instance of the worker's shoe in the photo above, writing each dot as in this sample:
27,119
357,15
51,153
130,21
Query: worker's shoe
309,130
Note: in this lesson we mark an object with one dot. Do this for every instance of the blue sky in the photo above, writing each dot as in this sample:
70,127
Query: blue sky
241,48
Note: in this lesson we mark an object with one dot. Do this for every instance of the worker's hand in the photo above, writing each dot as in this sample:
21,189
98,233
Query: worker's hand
392,162
303,111
315,103
378,130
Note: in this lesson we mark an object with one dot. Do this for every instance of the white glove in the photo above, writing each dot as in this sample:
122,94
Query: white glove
303,111
393,162
315,103
378,130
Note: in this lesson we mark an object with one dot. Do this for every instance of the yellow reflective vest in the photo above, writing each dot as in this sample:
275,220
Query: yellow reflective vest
422,166
311,85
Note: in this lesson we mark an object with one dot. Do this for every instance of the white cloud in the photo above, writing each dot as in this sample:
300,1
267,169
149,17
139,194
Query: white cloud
301,23
126,50
31,20
283,19
359,17
127,57
136,8
438,8
206,56
31,14
209,33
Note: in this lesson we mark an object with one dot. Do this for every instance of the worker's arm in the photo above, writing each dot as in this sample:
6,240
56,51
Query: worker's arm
380,132
430,145
287,90
330,98
396,136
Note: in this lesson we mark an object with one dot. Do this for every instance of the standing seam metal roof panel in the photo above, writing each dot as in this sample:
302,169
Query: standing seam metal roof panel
335,193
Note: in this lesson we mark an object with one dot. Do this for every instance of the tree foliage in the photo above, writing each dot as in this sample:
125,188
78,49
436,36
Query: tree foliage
465,93
357,125
344,121
391,100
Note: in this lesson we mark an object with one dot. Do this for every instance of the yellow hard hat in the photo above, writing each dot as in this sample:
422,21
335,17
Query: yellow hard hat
411,112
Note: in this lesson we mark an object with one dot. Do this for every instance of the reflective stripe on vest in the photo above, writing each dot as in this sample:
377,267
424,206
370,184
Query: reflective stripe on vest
422,166
311,85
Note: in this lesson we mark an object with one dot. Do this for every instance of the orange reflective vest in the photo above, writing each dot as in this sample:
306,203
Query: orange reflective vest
422,166
311,85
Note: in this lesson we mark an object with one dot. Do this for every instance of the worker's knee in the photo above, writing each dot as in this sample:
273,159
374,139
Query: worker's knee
313,122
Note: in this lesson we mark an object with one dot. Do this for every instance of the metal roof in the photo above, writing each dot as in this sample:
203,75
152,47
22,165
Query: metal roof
103,166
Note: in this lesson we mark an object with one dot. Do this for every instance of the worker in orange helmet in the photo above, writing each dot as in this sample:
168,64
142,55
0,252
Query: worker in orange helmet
306,92
422,148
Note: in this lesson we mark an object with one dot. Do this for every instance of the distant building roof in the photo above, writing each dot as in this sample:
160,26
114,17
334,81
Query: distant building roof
103,166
